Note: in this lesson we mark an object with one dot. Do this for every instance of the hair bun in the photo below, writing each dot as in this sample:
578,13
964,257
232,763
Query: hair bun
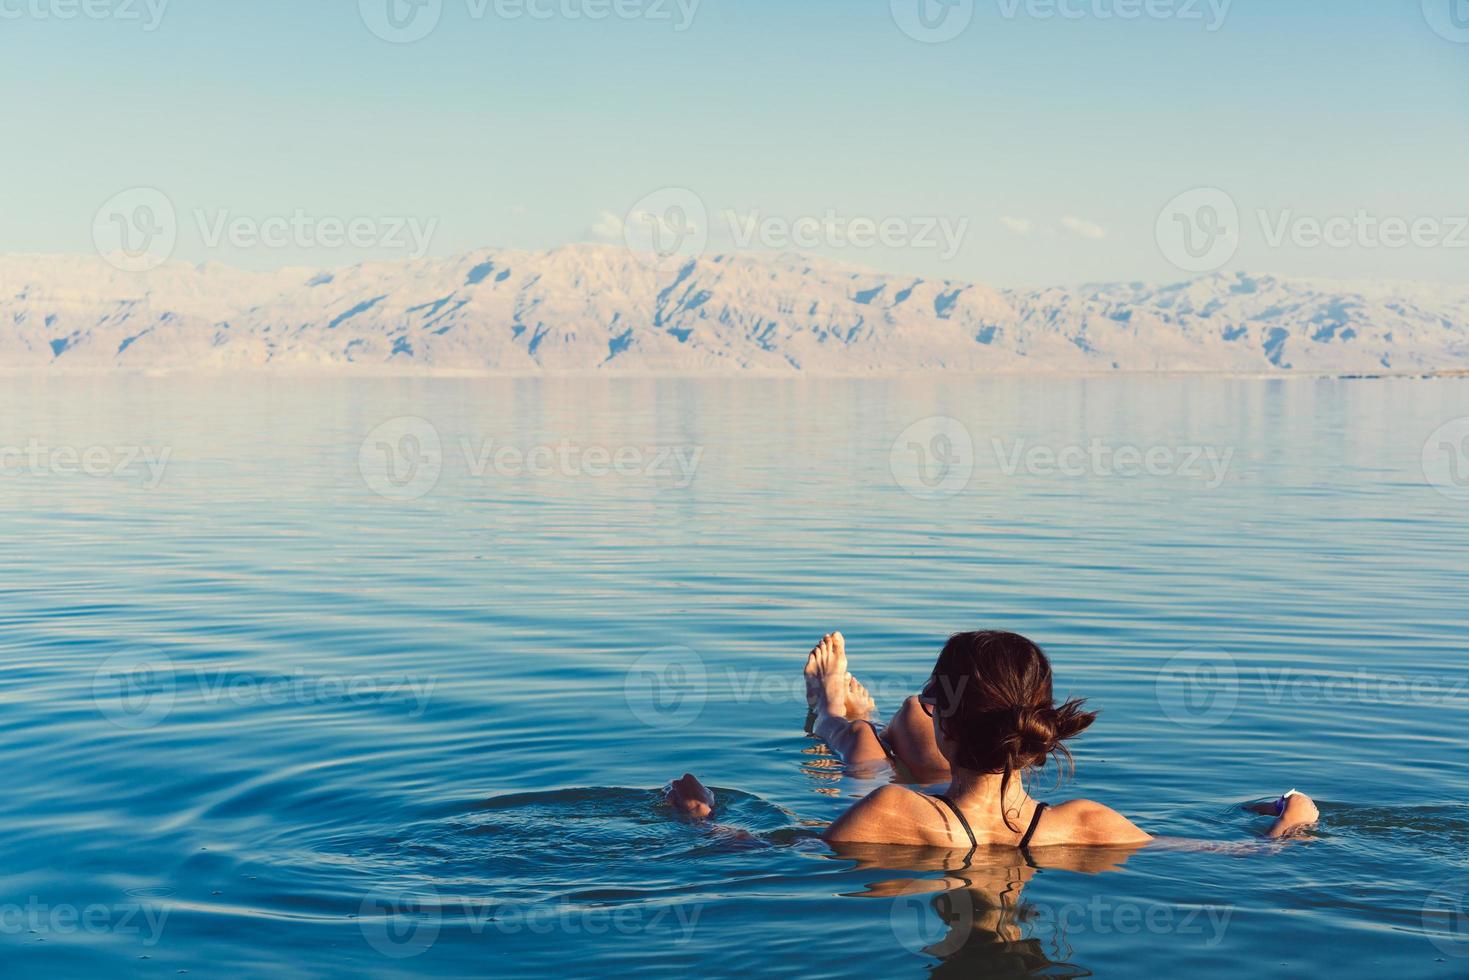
1035,732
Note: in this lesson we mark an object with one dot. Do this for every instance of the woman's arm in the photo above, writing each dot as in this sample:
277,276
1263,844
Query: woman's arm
1294,812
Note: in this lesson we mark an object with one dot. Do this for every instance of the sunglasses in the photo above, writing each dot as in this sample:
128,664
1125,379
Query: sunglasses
928,697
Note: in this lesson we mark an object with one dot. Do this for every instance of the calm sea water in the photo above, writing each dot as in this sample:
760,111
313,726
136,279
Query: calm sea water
379,678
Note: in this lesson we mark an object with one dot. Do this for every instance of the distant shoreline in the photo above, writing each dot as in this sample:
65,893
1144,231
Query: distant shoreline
376,372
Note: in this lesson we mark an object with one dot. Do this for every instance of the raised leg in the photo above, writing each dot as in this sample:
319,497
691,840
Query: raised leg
840,704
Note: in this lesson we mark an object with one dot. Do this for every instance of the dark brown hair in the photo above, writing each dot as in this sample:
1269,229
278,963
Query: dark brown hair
992,696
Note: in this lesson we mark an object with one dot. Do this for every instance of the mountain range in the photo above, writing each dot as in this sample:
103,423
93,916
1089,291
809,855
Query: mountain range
593,308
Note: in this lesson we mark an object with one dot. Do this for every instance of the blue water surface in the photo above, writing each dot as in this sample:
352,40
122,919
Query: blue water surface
314,677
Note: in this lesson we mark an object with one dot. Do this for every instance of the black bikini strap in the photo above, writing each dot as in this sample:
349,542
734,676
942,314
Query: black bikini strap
886,748
1035,822
973,841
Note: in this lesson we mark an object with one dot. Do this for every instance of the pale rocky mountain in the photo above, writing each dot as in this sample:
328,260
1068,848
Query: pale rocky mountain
589,308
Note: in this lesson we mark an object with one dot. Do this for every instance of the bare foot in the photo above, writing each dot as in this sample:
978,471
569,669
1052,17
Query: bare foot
688,795
860,705
826,676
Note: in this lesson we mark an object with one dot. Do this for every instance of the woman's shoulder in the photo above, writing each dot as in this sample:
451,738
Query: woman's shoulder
890,814
1086,822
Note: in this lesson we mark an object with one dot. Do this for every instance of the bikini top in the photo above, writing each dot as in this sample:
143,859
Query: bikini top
1035,821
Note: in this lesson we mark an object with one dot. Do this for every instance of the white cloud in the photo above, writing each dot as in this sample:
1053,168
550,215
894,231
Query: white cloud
1020,226
608,227
1084,229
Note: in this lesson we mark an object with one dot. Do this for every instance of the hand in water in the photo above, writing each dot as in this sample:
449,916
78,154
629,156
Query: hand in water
1296,811
688,795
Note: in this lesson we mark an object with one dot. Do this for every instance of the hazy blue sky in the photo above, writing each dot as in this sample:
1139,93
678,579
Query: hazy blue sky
1059,139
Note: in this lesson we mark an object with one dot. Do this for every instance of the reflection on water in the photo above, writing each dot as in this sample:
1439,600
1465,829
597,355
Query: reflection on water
972,914
340,688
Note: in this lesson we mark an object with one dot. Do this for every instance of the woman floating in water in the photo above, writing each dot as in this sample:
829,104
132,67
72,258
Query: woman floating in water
986,718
